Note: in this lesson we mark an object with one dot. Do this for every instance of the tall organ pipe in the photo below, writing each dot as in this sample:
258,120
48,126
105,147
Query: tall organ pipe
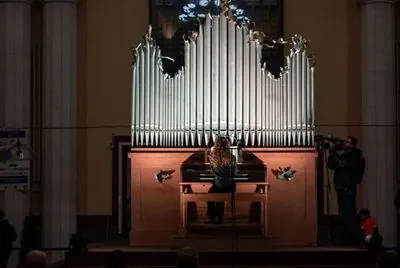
223,88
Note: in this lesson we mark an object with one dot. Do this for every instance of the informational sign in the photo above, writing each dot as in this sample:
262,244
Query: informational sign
15,160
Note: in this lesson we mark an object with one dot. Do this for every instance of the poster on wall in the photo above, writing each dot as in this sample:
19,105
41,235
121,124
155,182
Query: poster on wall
170,19
15,160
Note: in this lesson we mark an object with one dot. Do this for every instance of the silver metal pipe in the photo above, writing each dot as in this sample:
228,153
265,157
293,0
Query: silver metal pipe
215,90
258,103
246,90
133,99
223,75
231,116
253,65
261,140
192,92
146,94
239,103
186,96
207,81
153,71
222,88
200,87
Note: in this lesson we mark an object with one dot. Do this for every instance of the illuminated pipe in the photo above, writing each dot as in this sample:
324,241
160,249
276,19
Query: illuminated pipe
152,81
262,141
258,92
269,101
312,108
252,91
246,89
192,92
231,117
133,99
275,115
223,75
207,81
303,98
221,67
285,108
200,87
157,95
215,91
186,99
239,107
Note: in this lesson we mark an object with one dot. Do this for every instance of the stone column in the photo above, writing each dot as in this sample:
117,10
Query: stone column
59,122
15,93
379,113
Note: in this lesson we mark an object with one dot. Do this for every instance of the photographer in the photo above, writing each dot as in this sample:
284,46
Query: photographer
348,164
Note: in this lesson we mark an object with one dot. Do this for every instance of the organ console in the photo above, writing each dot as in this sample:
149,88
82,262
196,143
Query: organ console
196,169
222,89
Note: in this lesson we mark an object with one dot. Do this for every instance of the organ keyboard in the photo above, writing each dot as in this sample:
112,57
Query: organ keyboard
195,169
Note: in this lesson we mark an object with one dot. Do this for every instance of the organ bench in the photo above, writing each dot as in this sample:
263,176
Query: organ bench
250,192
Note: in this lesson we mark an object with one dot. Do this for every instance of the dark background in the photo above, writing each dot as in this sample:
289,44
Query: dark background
168,30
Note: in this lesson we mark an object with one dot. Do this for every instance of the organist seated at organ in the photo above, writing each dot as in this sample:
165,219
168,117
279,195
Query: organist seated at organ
223,167
229,171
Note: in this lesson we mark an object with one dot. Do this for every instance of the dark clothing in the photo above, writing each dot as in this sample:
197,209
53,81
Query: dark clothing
4,256
224,176
346,167
77,243
8,235
347,208
223,183
215,210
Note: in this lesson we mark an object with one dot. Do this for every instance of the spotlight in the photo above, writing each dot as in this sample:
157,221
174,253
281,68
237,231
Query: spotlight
164,175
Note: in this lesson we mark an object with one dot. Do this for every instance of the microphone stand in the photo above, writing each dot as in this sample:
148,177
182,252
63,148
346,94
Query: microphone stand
328,196
235,241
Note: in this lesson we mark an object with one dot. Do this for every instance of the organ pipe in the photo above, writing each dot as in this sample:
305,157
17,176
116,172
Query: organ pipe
223,88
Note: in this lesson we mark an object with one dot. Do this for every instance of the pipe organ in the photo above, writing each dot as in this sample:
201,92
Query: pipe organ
223,88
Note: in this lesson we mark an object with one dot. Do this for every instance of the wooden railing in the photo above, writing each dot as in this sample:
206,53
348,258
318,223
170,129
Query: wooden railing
259,195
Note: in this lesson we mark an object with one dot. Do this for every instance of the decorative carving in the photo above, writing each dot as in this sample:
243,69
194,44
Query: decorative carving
148,37
164,175
284,174
134,52
225,8
311,59
191,35
256,36
298,42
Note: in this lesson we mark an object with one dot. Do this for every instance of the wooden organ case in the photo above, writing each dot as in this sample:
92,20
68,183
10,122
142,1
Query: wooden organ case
223,88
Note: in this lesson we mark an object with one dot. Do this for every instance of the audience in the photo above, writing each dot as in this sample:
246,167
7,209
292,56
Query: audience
77,243
187,258
388,260
36,259
8,235
116,259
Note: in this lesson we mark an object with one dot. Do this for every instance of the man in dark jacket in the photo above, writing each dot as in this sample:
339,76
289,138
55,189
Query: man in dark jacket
347,162
8,235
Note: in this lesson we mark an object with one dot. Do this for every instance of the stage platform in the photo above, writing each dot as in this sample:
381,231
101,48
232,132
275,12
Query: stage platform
312,256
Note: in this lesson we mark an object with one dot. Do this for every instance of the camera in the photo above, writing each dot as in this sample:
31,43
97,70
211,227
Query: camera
328,142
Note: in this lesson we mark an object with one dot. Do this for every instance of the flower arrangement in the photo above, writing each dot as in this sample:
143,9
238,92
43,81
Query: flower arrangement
284,174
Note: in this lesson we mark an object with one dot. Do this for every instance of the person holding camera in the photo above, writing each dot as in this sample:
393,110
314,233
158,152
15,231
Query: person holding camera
348,165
